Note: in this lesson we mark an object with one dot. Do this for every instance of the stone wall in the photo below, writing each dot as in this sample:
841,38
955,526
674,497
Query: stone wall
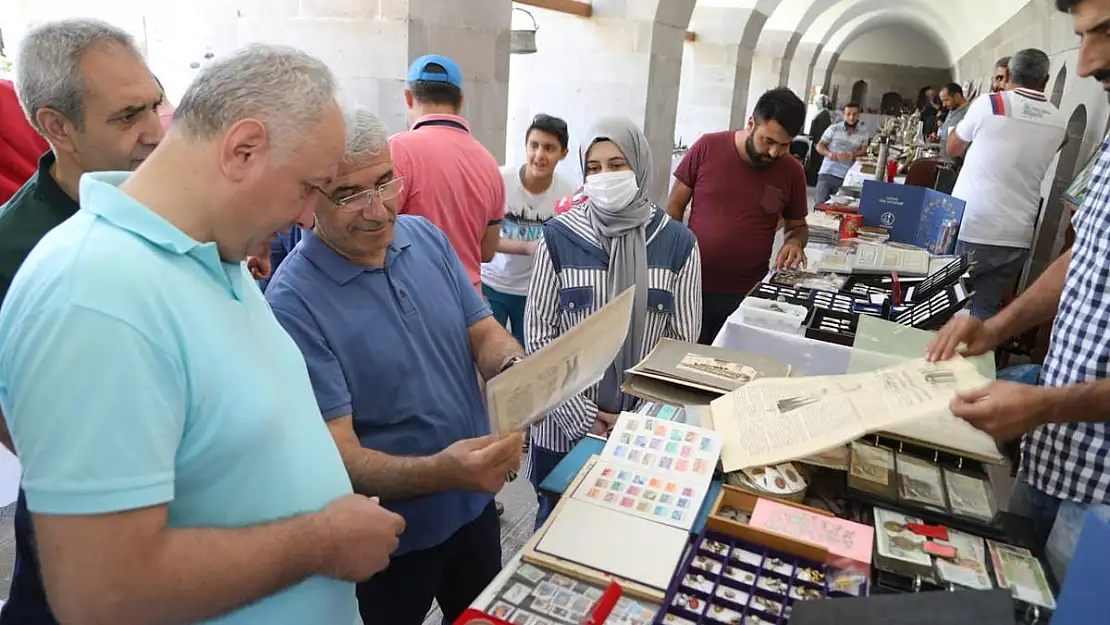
882,78
1039,25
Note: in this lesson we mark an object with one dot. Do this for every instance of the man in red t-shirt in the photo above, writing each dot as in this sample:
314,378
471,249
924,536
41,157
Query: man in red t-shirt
741,188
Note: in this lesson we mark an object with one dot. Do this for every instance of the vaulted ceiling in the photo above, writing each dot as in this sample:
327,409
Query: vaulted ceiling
955,25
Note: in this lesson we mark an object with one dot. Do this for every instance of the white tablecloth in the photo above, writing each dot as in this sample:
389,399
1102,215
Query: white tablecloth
805,356
856,177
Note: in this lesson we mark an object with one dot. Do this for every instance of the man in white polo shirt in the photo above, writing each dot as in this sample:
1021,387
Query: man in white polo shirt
1013,135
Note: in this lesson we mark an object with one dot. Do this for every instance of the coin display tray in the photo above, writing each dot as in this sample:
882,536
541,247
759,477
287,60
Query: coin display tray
948,275
833,327
788,294
726,581
934,312
864,287
839,302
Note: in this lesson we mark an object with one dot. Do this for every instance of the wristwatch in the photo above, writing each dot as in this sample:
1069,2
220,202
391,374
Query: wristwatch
509,363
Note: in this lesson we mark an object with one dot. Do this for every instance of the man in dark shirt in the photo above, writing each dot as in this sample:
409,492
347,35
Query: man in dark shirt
741,188
114,126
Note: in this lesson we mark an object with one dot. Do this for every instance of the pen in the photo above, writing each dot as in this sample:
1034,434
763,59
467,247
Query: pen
605,605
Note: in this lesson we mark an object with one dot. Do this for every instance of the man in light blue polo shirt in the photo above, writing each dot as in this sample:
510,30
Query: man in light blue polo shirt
842,143
168,481
392,329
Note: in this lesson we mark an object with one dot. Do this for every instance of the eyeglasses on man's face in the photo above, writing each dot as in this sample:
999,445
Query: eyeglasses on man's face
360,199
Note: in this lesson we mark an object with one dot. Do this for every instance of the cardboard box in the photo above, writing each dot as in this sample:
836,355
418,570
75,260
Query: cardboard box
913,215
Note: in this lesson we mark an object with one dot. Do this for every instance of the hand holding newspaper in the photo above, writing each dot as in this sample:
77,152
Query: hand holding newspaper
774,420
565,367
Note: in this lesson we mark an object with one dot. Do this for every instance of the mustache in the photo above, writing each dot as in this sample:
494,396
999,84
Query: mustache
1102,75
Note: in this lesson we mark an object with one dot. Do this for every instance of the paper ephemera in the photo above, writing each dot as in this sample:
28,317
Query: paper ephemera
568,365
970,567
773,420
894,540
1018,570
657,498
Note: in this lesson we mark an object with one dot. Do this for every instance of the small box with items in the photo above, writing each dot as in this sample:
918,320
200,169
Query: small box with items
730,581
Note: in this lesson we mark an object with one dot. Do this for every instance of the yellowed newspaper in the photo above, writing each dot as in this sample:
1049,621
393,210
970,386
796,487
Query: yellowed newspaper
774,420
565,367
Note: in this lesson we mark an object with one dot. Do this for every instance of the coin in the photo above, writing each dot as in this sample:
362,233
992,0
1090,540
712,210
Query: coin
893,527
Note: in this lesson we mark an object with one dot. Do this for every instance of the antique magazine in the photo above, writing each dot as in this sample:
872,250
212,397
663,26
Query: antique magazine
565,367
773,420
702,367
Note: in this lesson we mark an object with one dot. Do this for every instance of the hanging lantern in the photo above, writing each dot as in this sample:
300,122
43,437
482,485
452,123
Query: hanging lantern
523,41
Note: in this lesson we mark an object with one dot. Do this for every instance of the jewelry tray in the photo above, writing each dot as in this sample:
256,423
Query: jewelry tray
727,581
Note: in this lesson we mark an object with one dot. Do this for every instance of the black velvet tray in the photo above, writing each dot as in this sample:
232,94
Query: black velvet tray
726,581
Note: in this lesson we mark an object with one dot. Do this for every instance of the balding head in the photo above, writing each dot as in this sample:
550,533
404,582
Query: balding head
263,129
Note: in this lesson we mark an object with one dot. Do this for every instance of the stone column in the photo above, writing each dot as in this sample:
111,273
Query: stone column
770,65
716,70
648,73
369,44
800,79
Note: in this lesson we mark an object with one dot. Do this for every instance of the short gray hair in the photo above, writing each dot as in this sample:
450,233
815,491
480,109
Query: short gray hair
284,88
48,65
1029,69
366,134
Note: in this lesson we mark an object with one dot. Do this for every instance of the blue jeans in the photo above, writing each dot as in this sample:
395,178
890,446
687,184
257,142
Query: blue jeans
541,463
827,185
994,273
508,310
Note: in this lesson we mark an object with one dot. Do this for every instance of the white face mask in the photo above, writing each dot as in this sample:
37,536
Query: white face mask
612,190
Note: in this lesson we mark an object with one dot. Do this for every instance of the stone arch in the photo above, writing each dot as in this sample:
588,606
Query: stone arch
1052,226
1058,86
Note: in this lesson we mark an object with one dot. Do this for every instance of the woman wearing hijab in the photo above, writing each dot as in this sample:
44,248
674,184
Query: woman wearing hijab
613,237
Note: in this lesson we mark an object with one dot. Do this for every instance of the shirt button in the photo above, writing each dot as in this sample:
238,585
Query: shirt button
660,307
570,305
404,295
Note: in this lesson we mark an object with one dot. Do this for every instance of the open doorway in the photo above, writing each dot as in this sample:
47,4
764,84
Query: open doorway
859,93
1052,227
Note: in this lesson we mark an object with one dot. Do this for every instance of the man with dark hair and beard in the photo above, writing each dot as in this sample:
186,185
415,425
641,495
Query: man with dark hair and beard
841,144
741,188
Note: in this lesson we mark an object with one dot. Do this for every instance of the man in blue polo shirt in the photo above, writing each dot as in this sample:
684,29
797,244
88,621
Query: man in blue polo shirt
842,143
167,481
392,329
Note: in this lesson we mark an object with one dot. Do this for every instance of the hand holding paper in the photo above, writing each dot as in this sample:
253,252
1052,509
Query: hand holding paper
1005,410
522,394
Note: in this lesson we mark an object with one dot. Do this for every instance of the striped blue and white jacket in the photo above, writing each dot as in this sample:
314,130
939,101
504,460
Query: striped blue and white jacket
569,283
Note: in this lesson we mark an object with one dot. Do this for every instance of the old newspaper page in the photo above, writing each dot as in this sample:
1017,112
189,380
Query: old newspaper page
565,367
774,420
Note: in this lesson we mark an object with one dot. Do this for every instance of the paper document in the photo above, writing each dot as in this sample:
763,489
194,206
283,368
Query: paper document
565,367
773,420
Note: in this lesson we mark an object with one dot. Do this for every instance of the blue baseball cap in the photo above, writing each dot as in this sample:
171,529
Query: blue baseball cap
451,75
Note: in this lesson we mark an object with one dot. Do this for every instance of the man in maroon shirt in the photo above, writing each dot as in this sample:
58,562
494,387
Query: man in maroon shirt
741,188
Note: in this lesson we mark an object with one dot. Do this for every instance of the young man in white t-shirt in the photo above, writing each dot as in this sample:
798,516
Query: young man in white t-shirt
531,191
1013,136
